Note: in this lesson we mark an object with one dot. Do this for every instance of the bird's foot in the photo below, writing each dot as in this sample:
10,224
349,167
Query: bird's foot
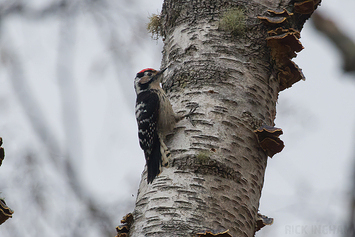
192,111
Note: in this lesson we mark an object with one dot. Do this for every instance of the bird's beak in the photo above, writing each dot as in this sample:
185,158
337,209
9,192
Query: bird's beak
161,71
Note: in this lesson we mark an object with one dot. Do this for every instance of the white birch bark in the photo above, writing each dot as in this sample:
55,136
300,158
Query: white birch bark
216,175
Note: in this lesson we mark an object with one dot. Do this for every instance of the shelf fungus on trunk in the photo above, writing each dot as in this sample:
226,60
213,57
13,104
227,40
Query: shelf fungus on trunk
5,212
210,234
306,7
283,41
268,138
283,44
123,230
275,17
2,152
262,221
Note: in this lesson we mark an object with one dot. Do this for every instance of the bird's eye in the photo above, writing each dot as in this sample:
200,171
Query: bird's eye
149,74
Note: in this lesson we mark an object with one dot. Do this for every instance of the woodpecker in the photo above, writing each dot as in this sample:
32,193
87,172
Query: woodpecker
155,118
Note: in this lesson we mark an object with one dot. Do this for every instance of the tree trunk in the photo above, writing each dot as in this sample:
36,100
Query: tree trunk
216,174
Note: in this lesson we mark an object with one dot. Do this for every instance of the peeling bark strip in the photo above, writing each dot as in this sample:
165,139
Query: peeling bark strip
216,177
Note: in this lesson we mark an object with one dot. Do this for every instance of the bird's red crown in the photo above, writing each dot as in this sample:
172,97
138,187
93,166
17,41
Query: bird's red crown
146,70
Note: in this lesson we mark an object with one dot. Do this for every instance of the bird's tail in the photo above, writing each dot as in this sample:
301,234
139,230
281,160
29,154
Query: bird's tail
154,163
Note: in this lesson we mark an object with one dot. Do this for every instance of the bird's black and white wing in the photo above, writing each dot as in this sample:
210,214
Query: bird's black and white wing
147,113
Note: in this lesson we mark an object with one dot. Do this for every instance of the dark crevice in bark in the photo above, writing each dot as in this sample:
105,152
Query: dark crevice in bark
202,164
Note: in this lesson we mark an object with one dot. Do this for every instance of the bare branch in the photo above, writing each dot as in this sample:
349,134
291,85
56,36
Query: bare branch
339,38
67,87
19,7
29,103
119,54
58,157
54,8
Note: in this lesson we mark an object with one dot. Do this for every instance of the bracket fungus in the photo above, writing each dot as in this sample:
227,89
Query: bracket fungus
262,220
272,20
269,141
279,12
127,221
306,7
275,17
289,74
283,42
288,37
5,212
2,152
210,234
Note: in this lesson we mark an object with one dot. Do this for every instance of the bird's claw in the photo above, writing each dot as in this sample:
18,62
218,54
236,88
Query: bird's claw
192,111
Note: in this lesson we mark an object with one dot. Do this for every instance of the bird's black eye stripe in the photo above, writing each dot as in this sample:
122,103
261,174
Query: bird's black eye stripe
147,72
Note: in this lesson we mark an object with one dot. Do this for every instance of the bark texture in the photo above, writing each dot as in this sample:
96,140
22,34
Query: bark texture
216,175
